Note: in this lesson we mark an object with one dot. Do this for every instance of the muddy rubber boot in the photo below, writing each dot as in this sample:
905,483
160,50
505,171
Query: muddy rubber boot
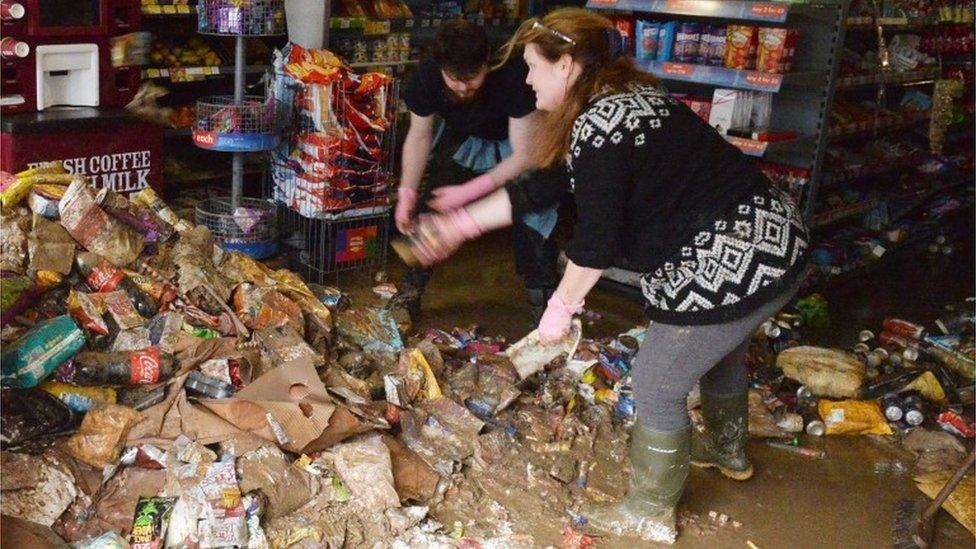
660,462
726,432
538,300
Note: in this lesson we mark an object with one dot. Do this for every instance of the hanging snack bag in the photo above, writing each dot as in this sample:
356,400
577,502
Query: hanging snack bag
740,47
648,33
665,43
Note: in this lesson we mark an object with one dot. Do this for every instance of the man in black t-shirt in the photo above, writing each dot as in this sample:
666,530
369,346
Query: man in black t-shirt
479,144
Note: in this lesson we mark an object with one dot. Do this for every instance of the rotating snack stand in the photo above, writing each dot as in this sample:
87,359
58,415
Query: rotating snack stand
239,124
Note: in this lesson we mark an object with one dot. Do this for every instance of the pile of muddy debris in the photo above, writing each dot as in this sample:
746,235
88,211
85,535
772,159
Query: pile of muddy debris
160,391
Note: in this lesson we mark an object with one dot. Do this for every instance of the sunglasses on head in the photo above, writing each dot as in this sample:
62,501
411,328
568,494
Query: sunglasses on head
554,32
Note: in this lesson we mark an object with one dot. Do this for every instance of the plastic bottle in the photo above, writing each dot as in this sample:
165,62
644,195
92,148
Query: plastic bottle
102,276
127,368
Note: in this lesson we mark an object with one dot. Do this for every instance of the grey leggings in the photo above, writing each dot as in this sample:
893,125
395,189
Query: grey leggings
672,358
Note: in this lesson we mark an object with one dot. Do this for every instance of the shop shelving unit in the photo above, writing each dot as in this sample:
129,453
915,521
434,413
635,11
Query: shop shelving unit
802,96
880,186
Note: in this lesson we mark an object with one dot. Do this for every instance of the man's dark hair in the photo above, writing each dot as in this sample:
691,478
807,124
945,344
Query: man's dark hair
460,48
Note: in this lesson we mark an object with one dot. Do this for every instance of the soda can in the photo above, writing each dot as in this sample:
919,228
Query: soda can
202,384
897,340
892,406
903,328
914,410
865,336
816,428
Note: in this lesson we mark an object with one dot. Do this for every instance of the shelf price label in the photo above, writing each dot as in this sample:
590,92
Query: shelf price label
677,69
690,7
376,27
769,11
748,146
764,80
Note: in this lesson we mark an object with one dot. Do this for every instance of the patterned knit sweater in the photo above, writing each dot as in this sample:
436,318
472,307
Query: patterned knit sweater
658,189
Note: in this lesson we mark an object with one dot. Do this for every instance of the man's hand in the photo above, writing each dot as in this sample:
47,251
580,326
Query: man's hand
455,196
406,203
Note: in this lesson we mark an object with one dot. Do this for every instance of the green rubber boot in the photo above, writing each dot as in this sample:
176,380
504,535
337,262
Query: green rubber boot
726,431
660,462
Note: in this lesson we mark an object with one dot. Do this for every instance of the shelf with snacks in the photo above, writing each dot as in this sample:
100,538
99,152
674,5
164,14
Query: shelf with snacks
923,75
878,125
370,27
822,219
193,74
765,12
167,10
720,76
756,71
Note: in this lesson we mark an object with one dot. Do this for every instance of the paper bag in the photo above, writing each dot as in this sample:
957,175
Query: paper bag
288,406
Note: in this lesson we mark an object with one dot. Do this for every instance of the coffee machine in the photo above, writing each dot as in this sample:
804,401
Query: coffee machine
57,53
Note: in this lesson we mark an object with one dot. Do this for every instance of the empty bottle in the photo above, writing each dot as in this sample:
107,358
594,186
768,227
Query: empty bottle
103,276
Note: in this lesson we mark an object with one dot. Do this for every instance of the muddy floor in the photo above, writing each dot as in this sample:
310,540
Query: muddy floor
846,500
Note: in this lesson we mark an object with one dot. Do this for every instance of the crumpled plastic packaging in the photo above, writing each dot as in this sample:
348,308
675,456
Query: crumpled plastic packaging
94,229
102,434
853,417
365,468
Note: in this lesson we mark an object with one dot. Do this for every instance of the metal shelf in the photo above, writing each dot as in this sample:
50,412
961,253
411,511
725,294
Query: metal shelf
909,78
375,64
767,12
727,78
195,74
168,9
830,217
884,124
371,26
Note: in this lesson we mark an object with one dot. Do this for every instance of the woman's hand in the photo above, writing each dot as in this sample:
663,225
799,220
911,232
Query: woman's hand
557,319
437,236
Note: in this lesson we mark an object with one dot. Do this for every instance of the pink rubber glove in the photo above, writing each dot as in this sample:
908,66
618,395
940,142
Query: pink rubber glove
437,236
557,319
406,202
454,196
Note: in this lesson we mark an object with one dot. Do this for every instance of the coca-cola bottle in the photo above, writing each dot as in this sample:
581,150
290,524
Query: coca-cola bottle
103,276
127,368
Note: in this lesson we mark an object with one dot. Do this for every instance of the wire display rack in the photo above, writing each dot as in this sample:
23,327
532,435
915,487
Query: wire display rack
239,124
330,175
250,228
321,249
241,18
224,124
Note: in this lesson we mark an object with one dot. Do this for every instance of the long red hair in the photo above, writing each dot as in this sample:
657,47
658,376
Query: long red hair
603,70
